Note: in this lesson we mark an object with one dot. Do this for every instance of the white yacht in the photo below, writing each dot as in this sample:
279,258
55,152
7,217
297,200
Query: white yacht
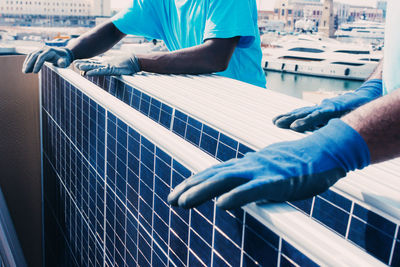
362,29
319,56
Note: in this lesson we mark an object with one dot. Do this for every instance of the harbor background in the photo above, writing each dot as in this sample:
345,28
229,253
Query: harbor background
54,28
32,26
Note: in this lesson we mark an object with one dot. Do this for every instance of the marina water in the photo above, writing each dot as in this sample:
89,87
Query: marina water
303,86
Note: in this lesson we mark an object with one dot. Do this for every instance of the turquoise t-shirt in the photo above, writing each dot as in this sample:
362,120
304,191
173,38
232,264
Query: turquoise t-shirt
186,23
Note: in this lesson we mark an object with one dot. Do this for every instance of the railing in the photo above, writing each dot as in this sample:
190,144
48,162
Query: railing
162,129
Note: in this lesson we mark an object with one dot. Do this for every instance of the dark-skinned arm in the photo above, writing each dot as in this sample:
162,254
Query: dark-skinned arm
212,56
96,41
378,122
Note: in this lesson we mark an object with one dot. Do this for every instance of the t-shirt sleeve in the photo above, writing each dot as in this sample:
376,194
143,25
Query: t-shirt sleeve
231,18
140,19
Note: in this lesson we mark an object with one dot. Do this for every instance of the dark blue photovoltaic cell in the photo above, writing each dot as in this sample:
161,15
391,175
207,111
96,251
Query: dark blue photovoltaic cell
375,220
209,144
296,256
225,152
218,261
193,135
396,255
179,127
178,248
285,262
226,248
105,189
259,250
249,262
202,227
303,205
230,224
228,141
207,210
263,232
371,239
330,216
337,199
195,261
200,248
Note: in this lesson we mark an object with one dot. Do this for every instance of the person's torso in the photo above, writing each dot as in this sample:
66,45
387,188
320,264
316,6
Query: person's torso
184,23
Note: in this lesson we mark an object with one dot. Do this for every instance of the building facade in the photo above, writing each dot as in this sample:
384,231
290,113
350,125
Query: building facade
382,5
367,13
327,26
291,11
60,8
265,15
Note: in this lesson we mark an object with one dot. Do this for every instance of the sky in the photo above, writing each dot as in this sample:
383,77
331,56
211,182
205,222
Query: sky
263,4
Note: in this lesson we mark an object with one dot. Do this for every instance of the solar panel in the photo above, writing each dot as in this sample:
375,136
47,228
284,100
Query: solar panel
106,184
333,209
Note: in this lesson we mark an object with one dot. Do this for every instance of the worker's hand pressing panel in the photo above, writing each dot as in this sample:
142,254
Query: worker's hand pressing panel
312,118
281,172
122,65
60,57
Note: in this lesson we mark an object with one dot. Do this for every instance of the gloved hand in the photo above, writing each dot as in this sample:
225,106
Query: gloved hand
286,171
60,57
312,118
125,65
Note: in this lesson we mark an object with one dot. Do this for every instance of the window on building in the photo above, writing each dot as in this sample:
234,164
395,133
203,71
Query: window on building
306,50
302,58
349,64
354,52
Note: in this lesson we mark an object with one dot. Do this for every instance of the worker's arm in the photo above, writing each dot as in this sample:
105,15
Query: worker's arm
304,168
213,55
312,118
379,124
96,41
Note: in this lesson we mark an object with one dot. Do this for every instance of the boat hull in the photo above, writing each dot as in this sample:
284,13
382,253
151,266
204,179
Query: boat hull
358,73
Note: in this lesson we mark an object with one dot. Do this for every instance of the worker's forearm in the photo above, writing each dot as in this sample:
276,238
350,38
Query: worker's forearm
212,56
378,122
179,62
96,41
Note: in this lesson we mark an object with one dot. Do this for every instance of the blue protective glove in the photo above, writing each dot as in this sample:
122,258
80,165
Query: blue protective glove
312,118
61,57
286,171
123,65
